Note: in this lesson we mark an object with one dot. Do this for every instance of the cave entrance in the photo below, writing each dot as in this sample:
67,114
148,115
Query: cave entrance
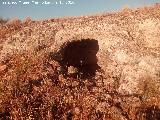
82,56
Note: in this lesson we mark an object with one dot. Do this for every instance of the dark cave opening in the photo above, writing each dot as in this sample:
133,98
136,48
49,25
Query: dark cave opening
81,55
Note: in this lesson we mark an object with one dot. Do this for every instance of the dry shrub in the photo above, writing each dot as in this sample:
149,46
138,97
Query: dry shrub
11,26
20,87
125,7
32,89
3,21
29,89
3,32
149,108
149,88
14,22
27,20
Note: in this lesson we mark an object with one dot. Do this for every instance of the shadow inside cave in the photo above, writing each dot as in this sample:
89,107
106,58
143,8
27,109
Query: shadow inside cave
81,55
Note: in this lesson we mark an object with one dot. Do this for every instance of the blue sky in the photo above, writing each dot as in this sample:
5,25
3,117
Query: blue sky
80,7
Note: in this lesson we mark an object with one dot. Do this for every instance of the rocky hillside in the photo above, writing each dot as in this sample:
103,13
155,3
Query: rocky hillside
105,66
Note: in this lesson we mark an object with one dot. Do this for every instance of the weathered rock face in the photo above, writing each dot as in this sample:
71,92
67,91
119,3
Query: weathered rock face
128,44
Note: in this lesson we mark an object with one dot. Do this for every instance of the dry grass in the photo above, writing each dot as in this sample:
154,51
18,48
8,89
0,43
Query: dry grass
9,26
31,88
